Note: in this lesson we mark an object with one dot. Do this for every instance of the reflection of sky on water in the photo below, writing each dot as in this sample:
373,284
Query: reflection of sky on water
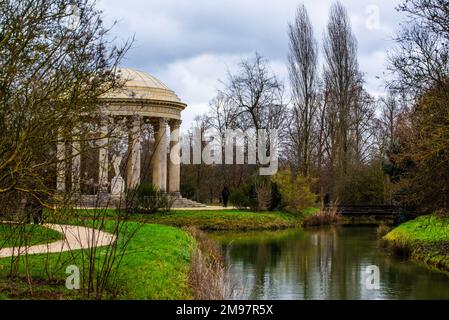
323,264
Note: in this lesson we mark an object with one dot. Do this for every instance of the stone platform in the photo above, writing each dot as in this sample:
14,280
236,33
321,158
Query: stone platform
109,201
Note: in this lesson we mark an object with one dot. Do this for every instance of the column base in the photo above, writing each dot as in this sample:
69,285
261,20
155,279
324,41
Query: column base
175,195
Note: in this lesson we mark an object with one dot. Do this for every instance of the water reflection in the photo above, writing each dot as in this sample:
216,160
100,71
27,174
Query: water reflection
327,263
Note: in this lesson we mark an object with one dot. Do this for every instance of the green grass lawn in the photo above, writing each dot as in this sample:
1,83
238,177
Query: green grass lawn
215,219
425,239
157,259
310,211
19,235
155,266
424,229
225,219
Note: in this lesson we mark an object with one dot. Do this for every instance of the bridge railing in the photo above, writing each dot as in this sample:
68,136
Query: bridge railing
349,210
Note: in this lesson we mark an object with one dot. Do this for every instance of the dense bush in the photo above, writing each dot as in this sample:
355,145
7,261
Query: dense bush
364,184
261,195
146,198
276,197
295,191
187,190
239,199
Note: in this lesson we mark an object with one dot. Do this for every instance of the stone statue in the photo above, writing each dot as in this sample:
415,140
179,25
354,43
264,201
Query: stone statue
117,183
116,161
135,163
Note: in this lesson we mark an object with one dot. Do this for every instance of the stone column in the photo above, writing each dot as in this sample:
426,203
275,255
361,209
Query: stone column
174,162
134,154
103,159
76,162
159,158
61,165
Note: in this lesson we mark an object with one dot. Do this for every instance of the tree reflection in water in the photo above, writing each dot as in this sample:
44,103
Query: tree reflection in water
322,263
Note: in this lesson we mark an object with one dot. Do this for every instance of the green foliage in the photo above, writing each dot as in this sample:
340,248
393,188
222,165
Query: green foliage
295,192
239,199
276,197
146,198
244,197
423,160
260,195
187,190
250,191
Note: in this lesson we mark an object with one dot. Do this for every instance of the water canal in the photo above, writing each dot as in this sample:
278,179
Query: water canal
323,263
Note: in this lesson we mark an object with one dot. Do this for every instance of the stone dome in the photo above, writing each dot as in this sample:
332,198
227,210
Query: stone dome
140,85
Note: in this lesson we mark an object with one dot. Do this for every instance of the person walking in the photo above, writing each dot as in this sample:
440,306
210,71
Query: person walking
225,196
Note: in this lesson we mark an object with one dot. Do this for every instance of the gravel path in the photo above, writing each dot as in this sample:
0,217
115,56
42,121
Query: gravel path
76,237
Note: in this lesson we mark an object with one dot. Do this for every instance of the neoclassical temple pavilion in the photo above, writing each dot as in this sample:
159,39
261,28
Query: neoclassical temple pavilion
143,100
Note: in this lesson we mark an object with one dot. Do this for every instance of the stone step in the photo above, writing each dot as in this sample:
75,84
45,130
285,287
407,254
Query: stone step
187,203
95,201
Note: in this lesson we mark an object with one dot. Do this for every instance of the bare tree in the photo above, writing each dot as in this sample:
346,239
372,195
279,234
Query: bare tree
303,59
363,128
421,59
390,107
342,76
223,113
53,68
257,95
434,14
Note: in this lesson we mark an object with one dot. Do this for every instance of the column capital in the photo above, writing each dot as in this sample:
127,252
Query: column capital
158,122
174,123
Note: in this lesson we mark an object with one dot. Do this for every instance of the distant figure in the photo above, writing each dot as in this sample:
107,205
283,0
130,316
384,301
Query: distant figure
225,196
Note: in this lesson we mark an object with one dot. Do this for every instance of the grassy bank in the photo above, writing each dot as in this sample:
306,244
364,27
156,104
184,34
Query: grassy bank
155,265
215,220
425,239
20,235
226,220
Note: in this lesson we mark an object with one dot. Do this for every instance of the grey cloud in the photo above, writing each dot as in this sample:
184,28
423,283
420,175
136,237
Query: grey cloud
177,36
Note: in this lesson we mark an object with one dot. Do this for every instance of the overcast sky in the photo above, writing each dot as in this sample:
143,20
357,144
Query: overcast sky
190,44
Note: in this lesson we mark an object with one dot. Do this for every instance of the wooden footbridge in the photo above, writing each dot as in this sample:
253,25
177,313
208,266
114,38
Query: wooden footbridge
366,214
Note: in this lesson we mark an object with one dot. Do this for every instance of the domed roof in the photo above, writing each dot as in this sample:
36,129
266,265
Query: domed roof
141,85
136,78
